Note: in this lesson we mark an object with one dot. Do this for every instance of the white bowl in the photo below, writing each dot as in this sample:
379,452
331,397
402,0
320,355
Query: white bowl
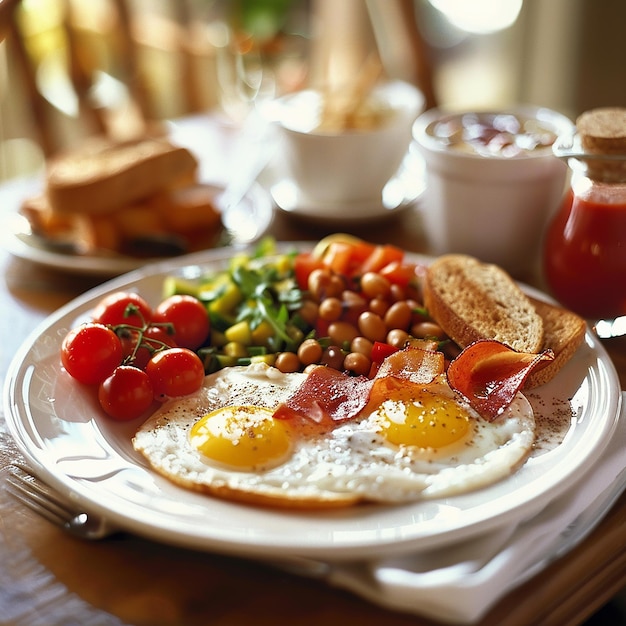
490,206
350,166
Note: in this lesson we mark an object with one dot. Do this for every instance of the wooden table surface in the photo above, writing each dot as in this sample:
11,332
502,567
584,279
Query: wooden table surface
48,577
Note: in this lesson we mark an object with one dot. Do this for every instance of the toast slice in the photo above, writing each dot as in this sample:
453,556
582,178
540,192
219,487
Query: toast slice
472,300
564,332
105,175
186,217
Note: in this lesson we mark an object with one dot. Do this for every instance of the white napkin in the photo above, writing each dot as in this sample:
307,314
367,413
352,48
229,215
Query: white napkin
475,574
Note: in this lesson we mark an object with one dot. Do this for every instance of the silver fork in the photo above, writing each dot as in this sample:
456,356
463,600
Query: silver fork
37,495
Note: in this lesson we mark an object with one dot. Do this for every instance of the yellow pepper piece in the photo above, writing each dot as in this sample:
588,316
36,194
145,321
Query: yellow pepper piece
240,333
269,359
262,333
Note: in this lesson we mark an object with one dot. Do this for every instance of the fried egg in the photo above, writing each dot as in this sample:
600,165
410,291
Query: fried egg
223,440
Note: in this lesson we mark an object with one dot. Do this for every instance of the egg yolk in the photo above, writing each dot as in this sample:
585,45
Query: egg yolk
426,420
243,437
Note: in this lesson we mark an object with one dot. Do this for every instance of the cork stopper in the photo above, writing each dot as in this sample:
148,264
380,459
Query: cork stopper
603,131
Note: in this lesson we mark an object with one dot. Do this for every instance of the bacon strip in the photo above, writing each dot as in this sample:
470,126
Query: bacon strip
328,394
414,364
489,374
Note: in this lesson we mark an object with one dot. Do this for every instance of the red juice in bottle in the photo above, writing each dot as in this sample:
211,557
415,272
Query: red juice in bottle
584,255
585,252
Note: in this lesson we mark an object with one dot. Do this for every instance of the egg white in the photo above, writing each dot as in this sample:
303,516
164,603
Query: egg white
337,466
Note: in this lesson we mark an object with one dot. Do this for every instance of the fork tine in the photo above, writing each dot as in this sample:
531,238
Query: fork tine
38,499
32,491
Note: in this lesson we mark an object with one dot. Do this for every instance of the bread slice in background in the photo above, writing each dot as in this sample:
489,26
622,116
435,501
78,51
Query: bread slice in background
472,300
564,332
105,175
185,215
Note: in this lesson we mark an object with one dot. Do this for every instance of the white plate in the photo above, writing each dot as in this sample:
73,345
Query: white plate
401,192
59,428
245,223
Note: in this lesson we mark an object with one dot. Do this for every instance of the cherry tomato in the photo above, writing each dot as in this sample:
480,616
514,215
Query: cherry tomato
90,353
175,372
126,393
154,338
189,318
117,308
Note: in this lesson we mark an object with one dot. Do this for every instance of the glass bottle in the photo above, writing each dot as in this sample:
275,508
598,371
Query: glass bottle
585,245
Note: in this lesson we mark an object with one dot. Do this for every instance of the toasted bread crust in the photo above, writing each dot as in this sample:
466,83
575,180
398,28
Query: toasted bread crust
471,300
104,176
564,332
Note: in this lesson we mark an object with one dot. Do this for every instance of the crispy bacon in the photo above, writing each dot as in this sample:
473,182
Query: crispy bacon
414,364
489,374
328,394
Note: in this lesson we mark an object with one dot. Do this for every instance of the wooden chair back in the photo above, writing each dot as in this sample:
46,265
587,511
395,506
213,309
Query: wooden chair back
101,46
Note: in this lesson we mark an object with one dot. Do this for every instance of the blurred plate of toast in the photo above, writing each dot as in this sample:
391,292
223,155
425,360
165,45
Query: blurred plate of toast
111,207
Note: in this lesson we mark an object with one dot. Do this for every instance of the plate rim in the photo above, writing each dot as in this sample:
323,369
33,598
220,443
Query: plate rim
217,542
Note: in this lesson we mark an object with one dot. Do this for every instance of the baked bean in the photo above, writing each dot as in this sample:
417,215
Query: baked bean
397,293
287,362
372,326
330,309
398,315
342,333
411,292
308,312
397,337
357,363
414,305
333,357
352,299
353,305
380,306
374,285
318,279
362,345
310,351
427,329
325,284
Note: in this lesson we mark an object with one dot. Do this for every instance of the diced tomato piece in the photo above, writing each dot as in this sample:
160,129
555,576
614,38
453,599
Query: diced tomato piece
398,273
346,257
338,257
380,351
321,327
360,252
381,256
303,264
